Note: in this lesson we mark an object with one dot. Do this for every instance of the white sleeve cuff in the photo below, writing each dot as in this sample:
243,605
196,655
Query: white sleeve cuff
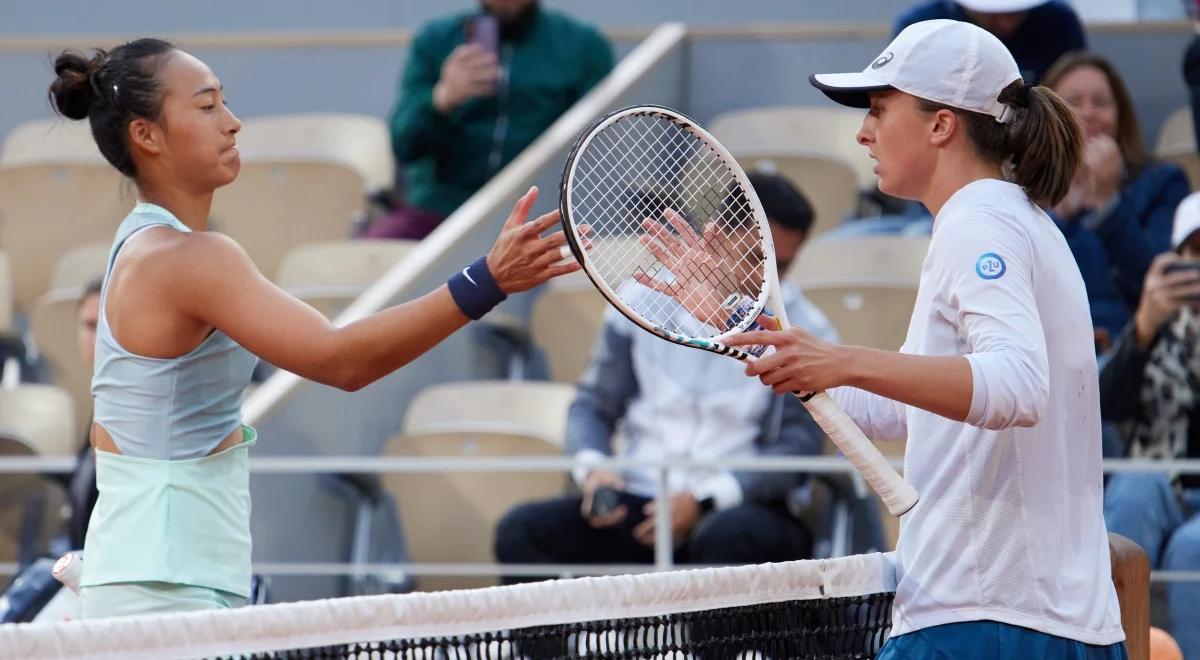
979,395
585,460
723,487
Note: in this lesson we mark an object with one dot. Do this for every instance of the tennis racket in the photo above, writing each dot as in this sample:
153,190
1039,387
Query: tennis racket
646,180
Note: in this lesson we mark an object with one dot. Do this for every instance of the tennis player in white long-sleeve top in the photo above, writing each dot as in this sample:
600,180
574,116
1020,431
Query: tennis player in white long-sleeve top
1006,553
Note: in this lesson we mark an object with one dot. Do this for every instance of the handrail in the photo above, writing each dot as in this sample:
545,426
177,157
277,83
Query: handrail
662,545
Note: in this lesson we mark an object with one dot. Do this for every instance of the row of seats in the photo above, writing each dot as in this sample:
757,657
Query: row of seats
487,419
1177,144
304,179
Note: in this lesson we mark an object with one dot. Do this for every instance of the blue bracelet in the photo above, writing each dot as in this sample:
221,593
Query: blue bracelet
475,290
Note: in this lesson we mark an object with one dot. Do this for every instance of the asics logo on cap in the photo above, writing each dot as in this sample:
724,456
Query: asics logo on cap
882,60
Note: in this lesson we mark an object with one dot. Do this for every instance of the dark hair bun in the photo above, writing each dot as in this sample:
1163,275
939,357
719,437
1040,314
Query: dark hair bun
72,91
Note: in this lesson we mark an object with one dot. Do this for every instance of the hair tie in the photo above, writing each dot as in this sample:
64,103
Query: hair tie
1021,99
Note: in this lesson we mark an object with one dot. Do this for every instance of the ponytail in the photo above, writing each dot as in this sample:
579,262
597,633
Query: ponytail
1041,143
1045,142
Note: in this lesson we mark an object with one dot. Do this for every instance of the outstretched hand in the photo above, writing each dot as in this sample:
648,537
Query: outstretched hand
702,275
522,258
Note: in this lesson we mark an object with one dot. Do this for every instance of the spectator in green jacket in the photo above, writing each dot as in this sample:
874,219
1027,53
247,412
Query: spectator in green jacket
477,89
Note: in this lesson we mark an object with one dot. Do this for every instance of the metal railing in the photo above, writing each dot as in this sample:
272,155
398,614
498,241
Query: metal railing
663,546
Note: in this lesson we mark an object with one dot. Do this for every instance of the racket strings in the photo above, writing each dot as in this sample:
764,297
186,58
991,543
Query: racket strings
646,167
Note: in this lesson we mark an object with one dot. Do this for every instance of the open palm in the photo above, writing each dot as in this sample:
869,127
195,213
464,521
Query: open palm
703,273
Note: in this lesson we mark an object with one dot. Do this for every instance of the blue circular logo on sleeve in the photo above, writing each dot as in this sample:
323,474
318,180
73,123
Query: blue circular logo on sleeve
990,266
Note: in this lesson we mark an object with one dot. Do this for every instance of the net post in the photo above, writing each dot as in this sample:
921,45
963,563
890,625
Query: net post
663,546
1131,579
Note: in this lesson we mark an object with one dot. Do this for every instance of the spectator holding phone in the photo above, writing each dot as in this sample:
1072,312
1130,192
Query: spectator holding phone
1150,382
676,402
1117,215
477,89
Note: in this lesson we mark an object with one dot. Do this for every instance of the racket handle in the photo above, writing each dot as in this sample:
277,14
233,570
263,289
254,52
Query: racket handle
897,494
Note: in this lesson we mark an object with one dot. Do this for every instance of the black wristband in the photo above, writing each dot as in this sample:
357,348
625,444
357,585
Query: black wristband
475,290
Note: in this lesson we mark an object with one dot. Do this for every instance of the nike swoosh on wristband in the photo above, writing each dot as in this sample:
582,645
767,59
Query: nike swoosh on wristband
467,274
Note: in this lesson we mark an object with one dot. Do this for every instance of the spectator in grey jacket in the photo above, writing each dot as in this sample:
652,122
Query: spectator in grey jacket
676,402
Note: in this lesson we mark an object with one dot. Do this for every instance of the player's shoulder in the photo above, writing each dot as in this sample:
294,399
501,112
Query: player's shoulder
174,258
989,212
189,255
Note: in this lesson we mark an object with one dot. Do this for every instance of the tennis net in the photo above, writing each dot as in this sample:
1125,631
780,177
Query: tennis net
821,609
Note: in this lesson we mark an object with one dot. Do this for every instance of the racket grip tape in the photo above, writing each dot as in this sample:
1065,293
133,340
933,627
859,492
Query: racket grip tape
897,494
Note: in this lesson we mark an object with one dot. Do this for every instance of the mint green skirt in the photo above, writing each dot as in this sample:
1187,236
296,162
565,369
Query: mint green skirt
134,598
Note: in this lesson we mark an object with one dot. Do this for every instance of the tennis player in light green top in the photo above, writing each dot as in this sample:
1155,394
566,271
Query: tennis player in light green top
183,314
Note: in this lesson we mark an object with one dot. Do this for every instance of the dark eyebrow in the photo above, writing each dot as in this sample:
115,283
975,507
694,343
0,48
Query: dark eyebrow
210,88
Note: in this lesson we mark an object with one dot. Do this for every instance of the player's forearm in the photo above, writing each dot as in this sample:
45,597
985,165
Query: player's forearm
374,347
941,385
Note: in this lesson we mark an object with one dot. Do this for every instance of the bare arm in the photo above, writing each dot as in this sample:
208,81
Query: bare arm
223,288
941,385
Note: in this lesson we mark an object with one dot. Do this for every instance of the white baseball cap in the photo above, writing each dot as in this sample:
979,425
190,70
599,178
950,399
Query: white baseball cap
1187,220
950,62
1000,6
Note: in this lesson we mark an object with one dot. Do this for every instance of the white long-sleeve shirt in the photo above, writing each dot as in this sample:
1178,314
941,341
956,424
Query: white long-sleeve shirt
1009,527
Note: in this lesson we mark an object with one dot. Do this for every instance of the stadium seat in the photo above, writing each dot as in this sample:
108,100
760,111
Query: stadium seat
50,141
30,506
276,205
34,420
6,295
80,265
53,324
39,416
829,183
1177,144
47,209
866,286
1177,133
1190,162
474,419
330,275
532,409
360,142
797,130
564,322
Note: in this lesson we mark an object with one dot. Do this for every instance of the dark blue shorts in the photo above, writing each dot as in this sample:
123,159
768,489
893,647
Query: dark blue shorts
985,640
